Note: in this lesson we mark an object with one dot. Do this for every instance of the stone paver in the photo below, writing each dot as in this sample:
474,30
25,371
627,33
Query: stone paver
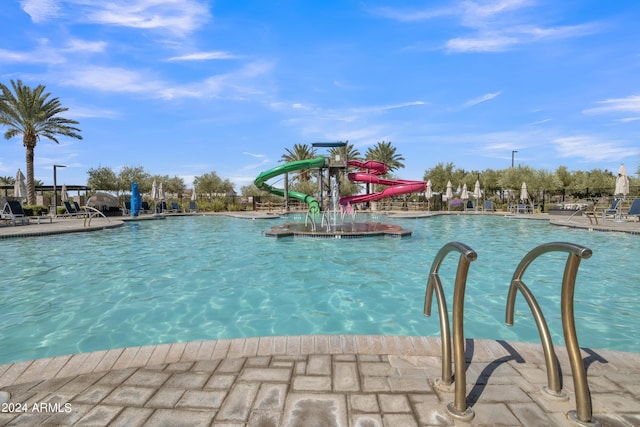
299,385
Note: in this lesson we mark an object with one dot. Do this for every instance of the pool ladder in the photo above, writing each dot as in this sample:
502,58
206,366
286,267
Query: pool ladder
582,416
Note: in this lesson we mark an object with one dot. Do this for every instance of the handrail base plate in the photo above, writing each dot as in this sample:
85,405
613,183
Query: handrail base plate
573,418
467,415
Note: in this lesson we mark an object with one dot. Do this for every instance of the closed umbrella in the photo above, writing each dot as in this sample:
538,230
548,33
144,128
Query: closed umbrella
622,182
524,195
194,195
161,197
477,194
64,196
428,194
20,186
464,195
449,194
154,195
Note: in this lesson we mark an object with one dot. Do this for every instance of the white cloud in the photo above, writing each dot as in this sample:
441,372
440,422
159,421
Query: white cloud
480,99
77,45
174,16
203,56
41,10
592,148
630,104
112,79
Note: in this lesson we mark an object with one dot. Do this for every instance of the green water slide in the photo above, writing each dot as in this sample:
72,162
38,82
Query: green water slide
261,180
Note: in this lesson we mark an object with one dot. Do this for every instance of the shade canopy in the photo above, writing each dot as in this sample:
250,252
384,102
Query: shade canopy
428,191
465,193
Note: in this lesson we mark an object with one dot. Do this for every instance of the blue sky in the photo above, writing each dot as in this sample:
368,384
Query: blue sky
186,87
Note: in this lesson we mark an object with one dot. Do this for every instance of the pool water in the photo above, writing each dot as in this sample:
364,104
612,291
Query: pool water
214,277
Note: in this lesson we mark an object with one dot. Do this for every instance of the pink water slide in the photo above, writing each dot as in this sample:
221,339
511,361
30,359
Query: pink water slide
396,187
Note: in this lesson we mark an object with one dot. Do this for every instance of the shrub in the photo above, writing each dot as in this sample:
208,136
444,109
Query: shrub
35,210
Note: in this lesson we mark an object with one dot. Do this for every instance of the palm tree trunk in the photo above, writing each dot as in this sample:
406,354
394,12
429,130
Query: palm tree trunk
31,189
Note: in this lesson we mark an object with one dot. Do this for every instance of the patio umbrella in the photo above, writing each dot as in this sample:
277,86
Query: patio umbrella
161,196
449,193
524,195
428,193
464,195
622,182
64,196
20,186
476,191
477,194
194,195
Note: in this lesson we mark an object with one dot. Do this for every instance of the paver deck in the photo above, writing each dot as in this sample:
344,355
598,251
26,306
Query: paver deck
311,380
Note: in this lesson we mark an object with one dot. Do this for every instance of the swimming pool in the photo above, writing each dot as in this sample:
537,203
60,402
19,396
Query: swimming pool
213,277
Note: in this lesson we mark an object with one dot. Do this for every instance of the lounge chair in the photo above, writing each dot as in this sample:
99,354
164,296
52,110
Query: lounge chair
72,210
488,206
14,213
634,210
144,208
193,206
175,207
127,208
614,210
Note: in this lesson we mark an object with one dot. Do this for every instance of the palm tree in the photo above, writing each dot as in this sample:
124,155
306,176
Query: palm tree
386,153
30,113
348,152
300,152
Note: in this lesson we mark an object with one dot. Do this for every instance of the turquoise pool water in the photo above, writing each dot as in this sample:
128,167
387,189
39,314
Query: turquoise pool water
197,278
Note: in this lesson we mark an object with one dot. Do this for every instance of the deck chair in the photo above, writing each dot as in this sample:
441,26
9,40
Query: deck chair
488,206
634,210
613,210
193,206
14,213
69,210
144,208
175,207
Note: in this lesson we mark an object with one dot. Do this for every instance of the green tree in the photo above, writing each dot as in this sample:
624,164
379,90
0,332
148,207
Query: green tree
34,115
212,185
441,174
300,152
385,152
102,178
129,174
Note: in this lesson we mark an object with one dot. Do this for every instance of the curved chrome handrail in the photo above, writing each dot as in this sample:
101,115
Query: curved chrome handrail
583,413
458,408
91,212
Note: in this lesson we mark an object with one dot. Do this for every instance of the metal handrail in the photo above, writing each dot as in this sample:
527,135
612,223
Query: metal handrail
583,414
458,408
91,212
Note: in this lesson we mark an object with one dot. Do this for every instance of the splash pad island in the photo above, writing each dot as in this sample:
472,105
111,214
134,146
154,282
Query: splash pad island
333,216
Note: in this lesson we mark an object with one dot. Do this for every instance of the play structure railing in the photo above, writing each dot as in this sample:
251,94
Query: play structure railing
458,409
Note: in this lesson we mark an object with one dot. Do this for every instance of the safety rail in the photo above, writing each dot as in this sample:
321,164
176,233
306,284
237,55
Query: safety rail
458,408
92,212
583,414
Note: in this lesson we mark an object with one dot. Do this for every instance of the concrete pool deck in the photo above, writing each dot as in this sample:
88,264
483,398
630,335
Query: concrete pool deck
310,380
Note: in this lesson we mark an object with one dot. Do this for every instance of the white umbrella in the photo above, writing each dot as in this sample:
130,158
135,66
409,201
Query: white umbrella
449,194
464,195
194,195
154,191
20,186
476,191
428,193
477,194
524,195
160,192
64,196
622,182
